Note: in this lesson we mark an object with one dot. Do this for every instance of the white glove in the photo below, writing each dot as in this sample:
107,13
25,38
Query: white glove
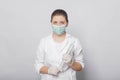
67,58
53,70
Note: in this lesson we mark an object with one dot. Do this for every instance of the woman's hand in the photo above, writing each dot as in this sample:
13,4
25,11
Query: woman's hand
50,70
53,70
74,65
67,58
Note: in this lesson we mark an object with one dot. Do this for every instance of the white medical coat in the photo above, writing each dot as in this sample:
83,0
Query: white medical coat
50,53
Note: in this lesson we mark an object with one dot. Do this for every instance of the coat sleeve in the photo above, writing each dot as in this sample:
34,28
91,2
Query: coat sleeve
78,55
39,62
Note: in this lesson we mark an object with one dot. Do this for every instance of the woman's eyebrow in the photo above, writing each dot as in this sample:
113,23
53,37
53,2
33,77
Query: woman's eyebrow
54,21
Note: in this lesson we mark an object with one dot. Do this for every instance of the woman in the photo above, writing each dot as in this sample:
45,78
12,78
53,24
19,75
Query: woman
59,54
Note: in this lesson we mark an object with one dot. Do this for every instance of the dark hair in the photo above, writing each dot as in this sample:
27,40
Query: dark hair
59,12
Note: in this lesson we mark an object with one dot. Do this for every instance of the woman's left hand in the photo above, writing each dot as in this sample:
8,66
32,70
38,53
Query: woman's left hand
67,58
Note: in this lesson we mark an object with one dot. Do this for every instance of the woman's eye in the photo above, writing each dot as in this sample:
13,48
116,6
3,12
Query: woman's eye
62,22
55,22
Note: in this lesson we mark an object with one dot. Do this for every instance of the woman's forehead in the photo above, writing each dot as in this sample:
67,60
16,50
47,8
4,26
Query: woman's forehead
58,17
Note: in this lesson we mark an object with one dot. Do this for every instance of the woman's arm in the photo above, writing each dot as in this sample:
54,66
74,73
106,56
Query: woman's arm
76,66
78,63
39,62
44,70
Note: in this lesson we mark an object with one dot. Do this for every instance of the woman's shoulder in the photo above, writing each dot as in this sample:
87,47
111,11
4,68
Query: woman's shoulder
43,39
76,41
73,37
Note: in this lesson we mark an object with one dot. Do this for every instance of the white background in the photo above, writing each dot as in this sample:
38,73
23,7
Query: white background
95,22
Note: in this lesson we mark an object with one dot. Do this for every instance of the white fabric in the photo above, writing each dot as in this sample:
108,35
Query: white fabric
50,54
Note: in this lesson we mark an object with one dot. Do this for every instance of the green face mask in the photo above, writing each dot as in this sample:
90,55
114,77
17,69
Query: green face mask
59,30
